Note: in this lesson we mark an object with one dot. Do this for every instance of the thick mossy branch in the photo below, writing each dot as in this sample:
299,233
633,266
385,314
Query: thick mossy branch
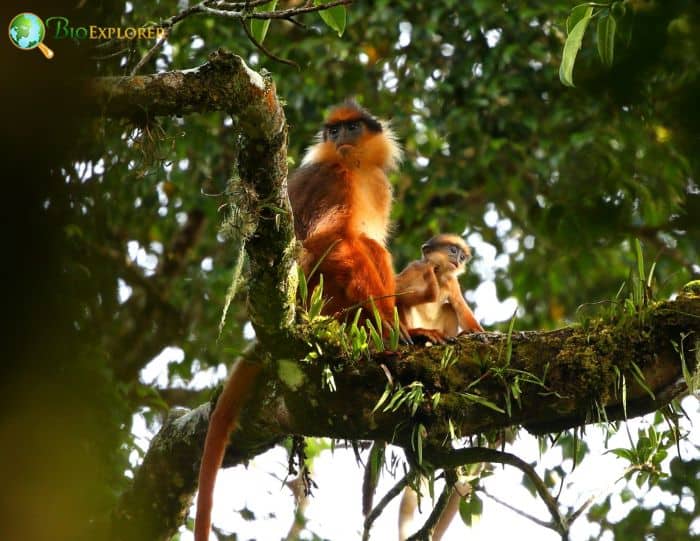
573,378
551,380
223,83
226,83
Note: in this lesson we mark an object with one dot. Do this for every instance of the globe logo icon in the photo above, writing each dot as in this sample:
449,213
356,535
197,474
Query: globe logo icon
27,31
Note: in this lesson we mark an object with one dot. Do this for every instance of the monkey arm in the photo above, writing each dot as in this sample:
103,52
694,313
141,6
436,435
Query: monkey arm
465,316
416,284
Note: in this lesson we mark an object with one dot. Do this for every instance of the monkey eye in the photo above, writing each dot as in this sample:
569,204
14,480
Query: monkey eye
353,126
453,249
333,131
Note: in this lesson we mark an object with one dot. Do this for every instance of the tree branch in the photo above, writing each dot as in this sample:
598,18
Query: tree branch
426,532
264,49
386,500
453,458
281,406
226,83
223,83
234,10
520,512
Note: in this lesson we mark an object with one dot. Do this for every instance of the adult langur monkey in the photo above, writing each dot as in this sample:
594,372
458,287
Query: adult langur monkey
341,200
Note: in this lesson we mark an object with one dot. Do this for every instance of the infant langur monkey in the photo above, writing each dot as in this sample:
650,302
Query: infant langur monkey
431,304
429,298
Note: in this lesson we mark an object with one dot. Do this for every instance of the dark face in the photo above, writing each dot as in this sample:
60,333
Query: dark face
457,254
346,132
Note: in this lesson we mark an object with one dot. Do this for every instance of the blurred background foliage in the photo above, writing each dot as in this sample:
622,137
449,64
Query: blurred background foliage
548,183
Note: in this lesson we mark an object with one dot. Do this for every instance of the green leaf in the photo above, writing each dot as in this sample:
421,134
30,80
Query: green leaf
624,453
417,436
509,343
659,457
572,46
642,478
376,338
396,400
356,319
482,401
394,333
376,461
606,38
690,380
382,399
577,13
651,275
303,286
639,377
471,509
334,17
258,27
316,300
640,259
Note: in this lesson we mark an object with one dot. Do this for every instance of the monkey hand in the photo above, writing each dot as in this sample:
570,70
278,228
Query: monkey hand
476,328
477,331
423,336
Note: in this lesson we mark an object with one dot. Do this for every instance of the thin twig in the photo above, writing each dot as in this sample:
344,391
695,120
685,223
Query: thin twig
167,26
152,51
237,10
573,516
379,508
282,14
264,49
240,5
107,56
298,23
472,455
520,512
426,532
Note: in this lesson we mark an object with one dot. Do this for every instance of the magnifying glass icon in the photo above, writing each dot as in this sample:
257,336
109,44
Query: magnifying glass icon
27,31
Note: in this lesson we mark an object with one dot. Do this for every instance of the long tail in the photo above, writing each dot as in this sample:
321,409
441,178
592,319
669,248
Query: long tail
222,421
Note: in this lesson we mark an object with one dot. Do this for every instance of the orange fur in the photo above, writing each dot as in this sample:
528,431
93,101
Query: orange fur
341,201
222,421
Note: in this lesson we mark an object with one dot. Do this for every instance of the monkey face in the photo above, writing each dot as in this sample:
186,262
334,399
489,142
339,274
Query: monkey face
344,134
447,257
457,255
